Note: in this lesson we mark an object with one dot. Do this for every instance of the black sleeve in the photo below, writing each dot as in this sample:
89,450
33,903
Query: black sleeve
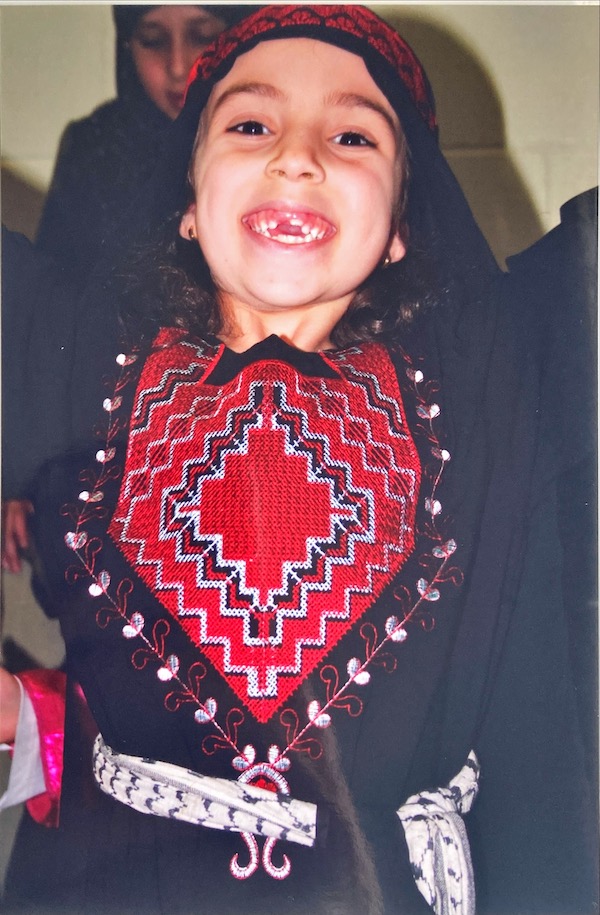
556,283
533,828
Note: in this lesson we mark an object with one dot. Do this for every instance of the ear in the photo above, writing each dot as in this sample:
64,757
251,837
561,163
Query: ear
396,249
187,226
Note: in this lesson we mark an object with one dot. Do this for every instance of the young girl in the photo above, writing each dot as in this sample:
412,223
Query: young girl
299,531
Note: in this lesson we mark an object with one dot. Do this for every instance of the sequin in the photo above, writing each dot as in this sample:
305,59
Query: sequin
246,759
105,455
170,669
426,592
110,404
446,549
96,496
316,716
100,586
441,454
359,676
76,539
279,762
428,411
394,630
433,506
134,627
122,359
207,712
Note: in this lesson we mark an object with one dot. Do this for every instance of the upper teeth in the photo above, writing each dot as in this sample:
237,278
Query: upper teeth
309,233
274,228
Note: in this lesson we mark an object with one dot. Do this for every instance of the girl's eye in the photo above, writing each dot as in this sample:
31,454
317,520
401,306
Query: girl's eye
352,138
250,129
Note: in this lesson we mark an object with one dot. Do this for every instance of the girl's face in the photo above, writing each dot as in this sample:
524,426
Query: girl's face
164,45
296,177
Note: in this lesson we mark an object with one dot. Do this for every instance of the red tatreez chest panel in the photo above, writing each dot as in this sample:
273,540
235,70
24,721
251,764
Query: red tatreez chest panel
267,514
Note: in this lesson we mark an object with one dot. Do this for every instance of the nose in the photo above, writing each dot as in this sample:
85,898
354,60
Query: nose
181,60
297,158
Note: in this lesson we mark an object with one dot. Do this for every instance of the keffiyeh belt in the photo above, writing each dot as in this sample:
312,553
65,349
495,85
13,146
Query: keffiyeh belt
435,833
438,844
171,791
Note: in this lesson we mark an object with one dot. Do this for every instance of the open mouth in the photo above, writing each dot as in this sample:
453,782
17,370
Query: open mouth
289,228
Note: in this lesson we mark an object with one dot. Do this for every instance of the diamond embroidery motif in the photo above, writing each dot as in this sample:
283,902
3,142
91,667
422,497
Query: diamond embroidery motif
266,515
246,515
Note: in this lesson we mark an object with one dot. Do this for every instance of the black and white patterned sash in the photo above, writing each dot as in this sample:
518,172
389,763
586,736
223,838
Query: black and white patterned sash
438,844
171,791
435,833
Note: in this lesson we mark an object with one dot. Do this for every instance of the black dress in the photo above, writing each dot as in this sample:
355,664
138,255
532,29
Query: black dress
103,161
483,664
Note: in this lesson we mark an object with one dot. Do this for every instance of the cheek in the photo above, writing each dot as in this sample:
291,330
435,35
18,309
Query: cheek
192,54
389,193
217,193
213,218
371,210
151,74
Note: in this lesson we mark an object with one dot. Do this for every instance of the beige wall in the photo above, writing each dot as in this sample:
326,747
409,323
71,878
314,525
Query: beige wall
57,63
517,90
518,98
541,64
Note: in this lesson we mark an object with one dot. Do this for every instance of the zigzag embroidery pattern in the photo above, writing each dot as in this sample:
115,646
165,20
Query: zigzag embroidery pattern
269,513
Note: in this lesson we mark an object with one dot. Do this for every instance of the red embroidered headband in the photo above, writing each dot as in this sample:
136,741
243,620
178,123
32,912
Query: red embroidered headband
387,56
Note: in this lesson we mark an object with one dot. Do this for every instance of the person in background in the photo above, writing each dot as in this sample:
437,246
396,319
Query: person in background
105,158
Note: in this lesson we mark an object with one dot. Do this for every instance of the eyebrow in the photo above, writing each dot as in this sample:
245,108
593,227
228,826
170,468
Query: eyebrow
266,90
335,99
355,100
149,27
143,28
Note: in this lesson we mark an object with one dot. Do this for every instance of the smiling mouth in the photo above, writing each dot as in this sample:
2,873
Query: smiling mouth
289,228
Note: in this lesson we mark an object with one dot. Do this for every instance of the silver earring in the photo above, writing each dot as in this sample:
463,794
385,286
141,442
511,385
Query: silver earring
191,233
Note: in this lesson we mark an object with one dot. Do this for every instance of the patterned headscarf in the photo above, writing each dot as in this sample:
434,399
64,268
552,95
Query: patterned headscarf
354,29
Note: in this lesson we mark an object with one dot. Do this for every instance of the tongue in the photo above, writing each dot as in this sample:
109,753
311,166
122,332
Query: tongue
286,228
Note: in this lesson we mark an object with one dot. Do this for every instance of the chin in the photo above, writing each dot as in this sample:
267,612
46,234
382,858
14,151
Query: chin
284,296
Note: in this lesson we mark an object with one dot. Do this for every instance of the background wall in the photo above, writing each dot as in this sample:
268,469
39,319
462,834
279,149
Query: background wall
517,91
517,94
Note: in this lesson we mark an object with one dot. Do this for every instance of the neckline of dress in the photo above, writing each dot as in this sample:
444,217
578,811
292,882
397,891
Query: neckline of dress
273,349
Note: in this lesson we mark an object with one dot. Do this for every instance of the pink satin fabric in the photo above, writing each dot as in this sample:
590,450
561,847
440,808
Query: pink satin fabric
46,690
